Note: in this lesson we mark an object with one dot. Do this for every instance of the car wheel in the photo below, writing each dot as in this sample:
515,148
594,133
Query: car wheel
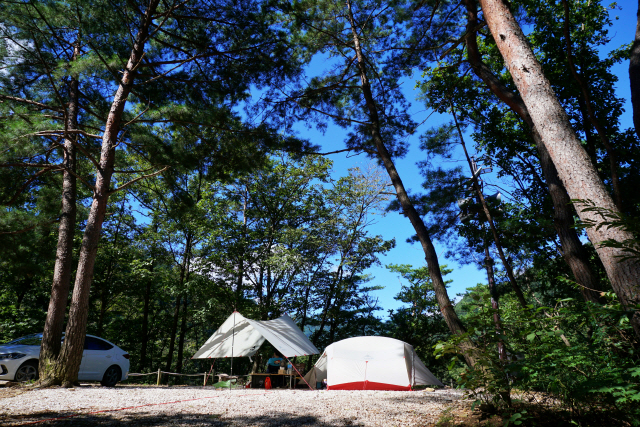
111,376
28,371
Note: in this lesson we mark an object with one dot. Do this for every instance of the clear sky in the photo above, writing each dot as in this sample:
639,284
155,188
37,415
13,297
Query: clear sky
396,226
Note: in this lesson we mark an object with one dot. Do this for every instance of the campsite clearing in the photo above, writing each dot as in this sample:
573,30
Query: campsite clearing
195,406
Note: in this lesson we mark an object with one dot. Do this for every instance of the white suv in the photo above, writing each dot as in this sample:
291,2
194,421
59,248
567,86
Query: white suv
101,360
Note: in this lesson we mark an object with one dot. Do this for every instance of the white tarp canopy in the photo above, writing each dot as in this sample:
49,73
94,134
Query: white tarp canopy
370,363
241,337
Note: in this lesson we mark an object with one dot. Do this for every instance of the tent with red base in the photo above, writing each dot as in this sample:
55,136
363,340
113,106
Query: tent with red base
370,363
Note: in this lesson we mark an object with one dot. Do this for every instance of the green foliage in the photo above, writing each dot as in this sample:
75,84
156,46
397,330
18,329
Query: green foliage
174,244
504,141
579,353
322,29
26,268
516,418
630,248
488,381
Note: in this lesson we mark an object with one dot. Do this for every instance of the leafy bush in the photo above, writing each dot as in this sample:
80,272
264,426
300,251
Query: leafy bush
580,355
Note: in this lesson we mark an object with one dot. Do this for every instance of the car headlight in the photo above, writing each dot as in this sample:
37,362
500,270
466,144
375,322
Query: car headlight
5,356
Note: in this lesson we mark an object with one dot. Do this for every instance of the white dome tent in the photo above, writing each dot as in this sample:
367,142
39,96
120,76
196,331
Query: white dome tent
370,363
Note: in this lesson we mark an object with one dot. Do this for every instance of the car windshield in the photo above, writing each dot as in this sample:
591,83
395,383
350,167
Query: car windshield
34,339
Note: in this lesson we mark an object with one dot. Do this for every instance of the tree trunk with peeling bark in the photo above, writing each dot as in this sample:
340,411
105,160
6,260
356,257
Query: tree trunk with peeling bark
54,323
68,364
572,162
573,251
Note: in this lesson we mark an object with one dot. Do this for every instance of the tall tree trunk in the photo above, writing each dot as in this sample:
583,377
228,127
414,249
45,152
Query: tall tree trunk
260,291
572,162
68,365
147,307
492,226
27,284
431,256
108,281
305,307
103,308
183,333
323,322
184,276
573,250
240,279
495,304
268,300
332,329
590,145
634,75
328,303
54,323
172,334
183,324
497,322
145,323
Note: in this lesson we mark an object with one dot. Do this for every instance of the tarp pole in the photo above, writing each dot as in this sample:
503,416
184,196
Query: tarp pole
206,375
294,367
413,368
233,337
364,383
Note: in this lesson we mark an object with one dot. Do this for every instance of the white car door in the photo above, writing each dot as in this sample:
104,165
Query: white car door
96,358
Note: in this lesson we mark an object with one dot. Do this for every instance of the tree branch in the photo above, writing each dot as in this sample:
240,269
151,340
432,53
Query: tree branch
24,230
27,101
29,181
122,187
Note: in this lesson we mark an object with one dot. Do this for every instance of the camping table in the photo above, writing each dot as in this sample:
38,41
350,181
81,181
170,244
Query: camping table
256,377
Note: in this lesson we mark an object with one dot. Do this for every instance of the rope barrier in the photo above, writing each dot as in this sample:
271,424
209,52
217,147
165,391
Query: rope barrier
159,374
168,373
184,375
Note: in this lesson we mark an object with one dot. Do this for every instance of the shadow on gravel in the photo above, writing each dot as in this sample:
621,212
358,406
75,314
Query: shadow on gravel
419,397
145,419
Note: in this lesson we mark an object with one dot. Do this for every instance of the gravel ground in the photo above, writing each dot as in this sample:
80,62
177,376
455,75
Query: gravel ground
195,406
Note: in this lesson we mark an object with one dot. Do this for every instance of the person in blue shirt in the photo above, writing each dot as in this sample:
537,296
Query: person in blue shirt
274,363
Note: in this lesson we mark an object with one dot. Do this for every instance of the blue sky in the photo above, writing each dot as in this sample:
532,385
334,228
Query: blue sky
396,226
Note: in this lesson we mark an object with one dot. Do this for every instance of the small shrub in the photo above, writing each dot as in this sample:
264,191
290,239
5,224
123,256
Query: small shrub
579,355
